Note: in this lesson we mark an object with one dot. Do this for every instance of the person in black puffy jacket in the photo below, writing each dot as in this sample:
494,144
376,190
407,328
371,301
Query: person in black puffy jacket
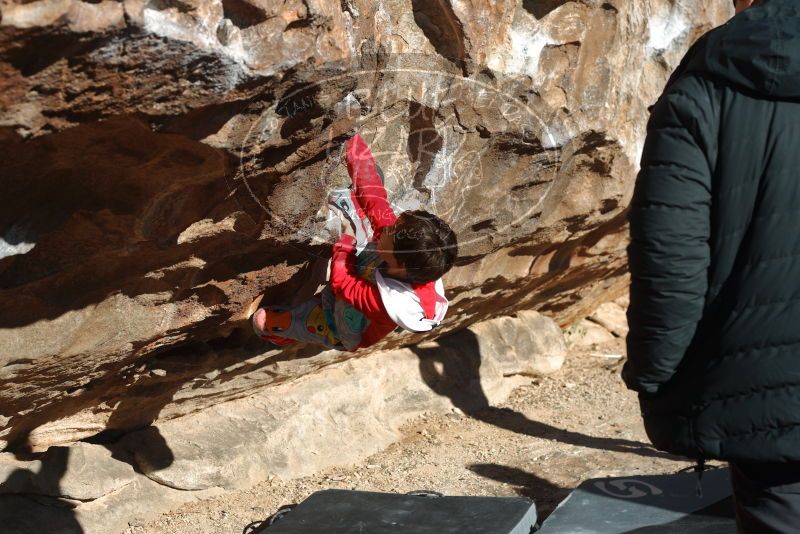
714,342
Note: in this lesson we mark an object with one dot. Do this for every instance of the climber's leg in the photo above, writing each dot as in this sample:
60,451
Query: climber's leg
271,320
347,323
305,322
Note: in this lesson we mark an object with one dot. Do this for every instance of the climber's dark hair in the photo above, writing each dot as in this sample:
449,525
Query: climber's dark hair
425,245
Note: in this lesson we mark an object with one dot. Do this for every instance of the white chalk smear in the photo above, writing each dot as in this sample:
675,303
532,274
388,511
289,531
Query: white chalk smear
527,44
665,29
14,242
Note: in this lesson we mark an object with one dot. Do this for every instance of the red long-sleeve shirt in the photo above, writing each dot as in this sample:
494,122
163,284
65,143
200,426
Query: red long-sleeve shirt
367,185
345,282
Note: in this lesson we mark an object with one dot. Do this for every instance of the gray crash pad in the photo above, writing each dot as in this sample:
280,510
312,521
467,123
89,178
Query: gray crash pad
360,512
661,504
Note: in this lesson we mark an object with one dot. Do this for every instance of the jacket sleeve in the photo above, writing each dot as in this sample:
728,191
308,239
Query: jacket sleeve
347,285
369,189
670,223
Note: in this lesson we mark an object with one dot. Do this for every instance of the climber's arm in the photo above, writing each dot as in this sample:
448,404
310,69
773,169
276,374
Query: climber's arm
347,285
367,184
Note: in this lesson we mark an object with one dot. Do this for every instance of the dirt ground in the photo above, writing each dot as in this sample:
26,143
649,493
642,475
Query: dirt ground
549,436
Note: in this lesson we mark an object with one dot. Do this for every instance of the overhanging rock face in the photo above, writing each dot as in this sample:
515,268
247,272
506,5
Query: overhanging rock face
165,164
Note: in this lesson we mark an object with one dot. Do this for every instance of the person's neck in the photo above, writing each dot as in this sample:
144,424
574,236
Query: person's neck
390,271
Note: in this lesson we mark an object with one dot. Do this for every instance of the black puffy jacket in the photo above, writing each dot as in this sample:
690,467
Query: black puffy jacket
714,342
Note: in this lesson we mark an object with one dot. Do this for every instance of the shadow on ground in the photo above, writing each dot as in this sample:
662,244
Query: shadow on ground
453,370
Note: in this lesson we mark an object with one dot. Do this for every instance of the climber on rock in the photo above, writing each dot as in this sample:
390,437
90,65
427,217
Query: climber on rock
375,285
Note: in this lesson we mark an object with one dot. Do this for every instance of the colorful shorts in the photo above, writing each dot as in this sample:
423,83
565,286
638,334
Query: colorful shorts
322,320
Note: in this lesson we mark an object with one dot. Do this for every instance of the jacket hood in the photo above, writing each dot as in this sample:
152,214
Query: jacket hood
404,306
757,51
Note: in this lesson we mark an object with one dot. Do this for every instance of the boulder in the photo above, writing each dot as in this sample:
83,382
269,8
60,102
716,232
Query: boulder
530,339
341,414
81,472
171,160
612,317
584,333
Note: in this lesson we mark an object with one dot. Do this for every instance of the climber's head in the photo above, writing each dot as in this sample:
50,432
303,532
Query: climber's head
419,247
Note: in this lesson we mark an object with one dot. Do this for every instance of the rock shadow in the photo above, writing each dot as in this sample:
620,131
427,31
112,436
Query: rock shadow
544,493
138,392
23,513
113,207
443,29
453,370
542,8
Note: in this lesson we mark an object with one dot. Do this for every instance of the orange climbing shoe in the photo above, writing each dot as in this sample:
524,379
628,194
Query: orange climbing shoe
267,322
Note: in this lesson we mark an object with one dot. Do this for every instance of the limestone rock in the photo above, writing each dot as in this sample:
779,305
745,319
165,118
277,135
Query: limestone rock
170,162
611,316
133,504
342,414
80,472
348,411
91,472
83,488
531,338
586,333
